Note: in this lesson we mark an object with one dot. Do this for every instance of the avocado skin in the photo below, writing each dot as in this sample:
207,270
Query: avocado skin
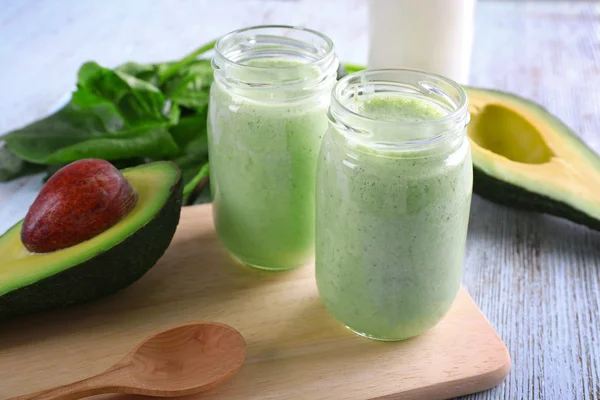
103,274
504,193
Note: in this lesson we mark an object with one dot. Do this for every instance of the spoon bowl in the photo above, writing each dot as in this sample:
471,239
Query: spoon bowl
181,361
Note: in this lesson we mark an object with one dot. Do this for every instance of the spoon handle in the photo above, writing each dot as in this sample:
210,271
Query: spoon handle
98,384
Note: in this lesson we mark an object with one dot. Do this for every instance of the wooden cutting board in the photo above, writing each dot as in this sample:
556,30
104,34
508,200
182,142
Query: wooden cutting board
296,350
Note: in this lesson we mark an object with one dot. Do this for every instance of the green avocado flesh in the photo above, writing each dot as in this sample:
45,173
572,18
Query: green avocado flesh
102,265
525,157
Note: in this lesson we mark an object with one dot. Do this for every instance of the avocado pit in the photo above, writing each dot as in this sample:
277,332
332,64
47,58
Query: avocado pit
80,201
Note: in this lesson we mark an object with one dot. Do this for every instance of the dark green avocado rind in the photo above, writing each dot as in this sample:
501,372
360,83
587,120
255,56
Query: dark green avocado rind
105,273
511,195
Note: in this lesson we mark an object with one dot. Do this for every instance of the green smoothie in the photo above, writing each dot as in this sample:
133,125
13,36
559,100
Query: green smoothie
263,155
391,225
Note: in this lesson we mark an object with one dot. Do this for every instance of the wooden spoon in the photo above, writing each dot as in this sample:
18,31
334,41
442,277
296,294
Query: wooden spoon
180,361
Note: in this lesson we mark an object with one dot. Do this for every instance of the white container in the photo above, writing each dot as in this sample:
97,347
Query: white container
431,35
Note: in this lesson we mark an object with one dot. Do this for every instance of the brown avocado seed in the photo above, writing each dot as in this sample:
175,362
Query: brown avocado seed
79,202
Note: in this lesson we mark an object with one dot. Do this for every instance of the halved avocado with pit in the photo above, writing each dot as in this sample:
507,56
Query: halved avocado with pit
110,261
525,157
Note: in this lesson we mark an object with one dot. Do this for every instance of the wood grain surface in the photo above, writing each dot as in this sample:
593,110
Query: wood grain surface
536,278
295,349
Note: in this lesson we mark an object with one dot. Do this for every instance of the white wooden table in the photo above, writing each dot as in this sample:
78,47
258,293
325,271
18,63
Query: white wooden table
537,278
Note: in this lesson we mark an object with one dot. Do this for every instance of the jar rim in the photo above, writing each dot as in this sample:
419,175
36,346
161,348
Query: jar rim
330,51
395,135
457,113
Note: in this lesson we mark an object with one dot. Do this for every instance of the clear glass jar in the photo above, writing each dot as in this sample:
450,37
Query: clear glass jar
394,182
267,117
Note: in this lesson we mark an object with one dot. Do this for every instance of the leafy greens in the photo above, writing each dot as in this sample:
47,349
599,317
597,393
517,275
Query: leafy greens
128,115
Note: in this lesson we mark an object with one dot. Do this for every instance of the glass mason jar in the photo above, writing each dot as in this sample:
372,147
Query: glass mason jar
267,117
394,182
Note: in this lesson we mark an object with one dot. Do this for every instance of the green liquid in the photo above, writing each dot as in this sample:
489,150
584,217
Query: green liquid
263,156
391,227
397,108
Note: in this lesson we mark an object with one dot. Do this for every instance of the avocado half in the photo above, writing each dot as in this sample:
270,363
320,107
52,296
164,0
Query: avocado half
102,265
525,157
